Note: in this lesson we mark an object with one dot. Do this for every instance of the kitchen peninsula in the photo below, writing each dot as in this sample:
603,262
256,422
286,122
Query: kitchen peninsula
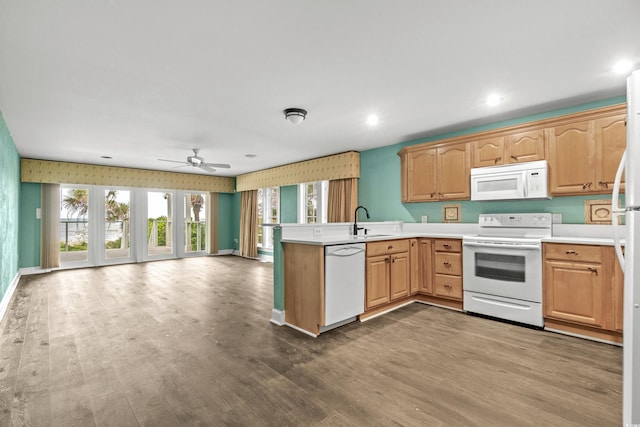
428,258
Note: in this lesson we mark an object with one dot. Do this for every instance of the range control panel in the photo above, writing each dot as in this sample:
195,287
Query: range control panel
524,220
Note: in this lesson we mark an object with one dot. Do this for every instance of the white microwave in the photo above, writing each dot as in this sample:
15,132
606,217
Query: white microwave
510,182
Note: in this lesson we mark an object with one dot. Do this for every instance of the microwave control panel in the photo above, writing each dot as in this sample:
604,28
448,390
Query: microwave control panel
536,183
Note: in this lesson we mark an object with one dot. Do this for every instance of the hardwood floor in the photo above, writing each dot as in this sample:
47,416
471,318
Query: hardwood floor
189,342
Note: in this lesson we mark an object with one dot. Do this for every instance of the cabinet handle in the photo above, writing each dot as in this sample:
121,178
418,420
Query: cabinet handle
603,184
413,244
584,186
514,158
447,286
593,270
571,252
387,260
447,263
497,159
446,245
433,195
588,184
389,247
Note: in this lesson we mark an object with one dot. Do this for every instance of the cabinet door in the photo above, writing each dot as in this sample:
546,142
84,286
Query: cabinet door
574,292
572,158
524,147
414,262
453,172
377,291
488,152
426,272
611,140
421,176
400,275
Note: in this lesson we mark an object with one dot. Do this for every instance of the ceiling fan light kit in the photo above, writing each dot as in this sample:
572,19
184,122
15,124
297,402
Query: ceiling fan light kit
295,115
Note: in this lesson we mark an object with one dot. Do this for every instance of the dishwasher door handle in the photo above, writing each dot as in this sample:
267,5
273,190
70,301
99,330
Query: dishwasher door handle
348,251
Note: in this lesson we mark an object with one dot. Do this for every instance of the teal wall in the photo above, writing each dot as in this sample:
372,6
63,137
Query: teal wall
9,208
379,184
29,225
289,204
226,217
234,222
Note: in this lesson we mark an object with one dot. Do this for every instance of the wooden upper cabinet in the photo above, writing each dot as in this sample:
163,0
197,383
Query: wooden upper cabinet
571,158
584,156
420,180
524,147
453,179
488,152
611,139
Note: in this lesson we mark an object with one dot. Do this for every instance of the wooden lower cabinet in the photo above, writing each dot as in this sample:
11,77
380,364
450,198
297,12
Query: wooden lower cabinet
425,285
447,267
388,272
581,290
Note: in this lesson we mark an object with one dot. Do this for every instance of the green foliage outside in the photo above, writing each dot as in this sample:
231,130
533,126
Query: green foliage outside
161,229
194,237
81,246
114,244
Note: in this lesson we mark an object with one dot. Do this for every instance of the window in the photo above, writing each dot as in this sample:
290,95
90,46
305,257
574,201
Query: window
268,213
312,202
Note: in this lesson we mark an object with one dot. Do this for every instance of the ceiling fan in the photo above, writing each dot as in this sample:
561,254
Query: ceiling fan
198,162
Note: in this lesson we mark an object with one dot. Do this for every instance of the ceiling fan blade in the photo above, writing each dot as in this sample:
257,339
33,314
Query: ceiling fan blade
207,168
217,165
174,161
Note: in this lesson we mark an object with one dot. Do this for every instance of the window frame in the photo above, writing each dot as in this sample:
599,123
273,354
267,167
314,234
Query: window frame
322,196
265,215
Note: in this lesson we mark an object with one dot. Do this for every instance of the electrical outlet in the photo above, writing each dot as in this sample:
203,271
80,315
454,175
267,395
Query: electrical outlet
424,219
317,231
556,218
396,228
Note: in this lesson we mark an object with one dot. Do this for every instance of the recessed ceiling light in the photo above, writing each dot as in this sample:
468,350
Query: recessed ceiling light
373,120
622,67
251,156
494,99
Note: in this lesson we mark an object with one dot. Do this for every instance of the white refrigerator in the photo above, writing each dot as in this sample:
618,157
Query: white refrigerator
630,262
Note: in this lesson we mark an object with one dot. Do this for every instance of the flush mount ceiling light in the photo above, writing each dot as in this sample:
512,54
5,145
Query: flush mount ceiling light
295,115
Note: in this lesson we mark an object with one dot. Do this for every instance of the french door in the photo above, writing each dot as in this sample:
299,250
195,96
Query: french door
114,225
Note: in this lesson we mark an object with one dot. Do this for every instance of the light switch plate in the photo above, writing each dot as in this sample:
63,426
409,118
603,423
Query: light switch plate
424,219
38,214
317,231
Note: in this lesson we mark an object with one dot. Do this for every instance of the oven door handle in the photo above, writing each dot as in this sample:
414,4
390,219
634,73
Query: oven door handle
501,246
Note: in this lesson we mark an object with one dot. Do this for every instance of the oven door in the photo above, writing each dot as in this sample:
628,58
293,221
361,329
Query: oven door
512,270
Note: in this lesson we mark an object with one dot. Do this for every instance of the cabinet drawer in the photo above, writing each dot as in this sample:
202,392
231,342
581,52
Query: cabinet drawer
448,286
573,252
387,247
448,264
448,245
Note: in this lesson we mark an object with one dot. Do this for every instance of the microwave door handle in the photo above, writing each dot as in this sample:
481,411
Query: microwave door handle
525,187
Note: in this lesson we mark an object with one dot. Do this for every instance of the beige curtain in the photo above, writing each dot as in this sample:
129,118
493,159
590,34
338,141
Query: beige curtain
212,223
343,199
49,226
249,224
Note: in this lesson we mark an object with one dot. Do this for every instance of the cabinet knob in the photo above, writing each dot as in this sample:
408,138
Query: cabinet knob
571,252
593,270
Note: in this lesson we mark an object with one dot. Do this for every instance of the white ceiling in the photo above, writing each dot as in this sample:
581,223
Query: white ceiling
142,80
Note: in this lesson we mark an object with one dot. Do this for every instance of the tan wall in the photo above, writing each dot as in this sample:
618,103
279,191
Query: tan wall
339,166
52,172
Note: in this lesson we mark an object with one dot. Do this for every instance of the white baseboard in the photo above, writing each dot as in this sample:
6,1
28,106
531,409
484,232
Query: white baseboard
224,252
277,317
4,304
34,270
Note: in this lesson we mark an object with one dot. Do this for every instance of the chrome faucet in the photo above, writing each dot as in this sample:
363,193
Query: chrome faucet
355,220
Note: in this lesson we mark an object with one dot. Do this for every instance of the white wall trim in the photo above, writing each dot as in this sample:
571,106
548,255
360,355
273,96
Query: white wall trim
224,252
34,270
277,317
6,299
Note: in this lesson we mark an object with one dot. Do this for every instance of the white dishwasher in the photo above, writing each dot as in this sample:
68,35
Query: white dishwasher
343,284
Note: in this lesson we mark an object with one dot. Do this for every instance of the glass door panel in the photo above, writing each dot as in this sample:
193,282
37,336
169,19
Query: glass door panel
117,225
195,223
159,223
74,224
